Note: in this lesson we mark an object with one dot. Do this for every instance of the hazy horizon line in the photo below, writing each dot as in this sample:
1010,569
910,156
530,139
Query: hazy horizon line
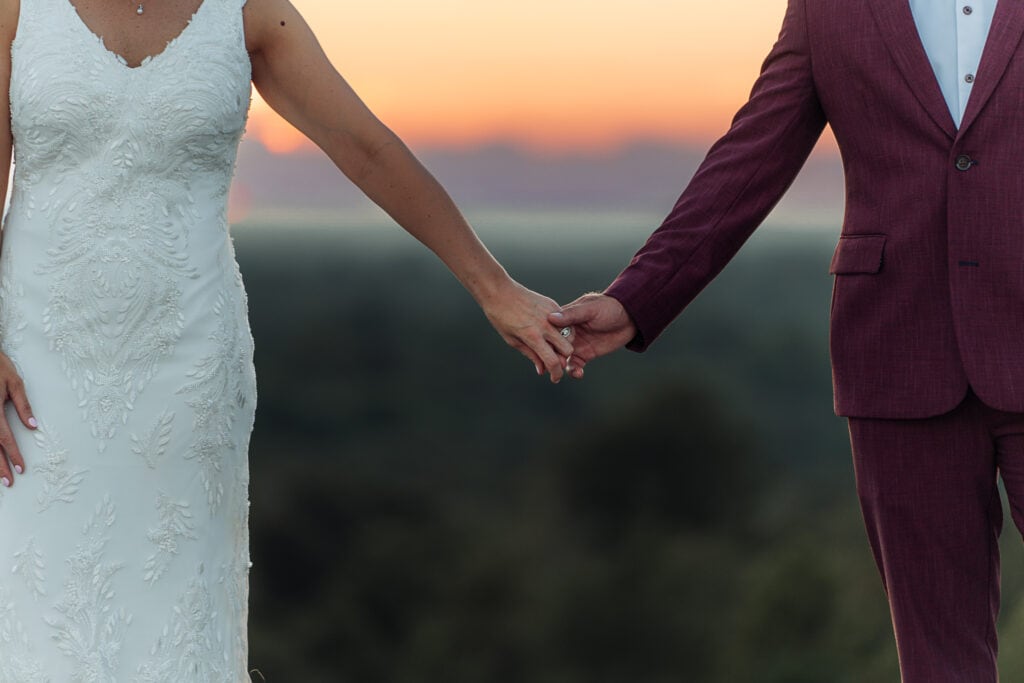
541,150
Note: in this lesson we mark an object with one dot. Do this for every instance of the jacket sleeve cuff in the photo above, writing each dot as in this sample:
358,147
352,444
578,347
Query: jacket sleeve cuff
631,296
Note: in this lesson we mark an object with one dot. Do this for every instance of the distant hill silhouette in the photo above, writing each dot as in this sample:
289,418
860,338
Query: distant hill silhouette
646,175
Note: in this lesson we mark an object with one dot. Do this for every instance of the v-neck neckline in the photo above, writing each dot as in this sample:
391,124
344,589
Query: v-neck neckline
118,57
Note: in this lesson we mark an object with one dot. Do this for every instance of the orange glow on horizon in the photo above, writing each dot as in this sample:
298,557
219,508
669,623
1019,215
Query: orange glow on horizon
550,77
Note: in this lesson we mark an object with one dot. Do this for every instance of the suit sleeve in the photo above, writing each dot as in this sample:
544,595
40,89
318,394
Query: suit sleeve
744,175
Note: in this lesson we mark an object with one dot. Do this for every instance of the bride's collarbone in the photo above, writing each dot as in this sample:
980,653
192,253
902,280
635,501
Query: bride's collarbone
133,36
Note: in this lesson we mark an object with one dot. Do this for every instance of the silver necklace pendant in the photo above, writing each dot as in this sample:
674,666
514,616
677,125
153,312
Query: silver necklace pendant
139,10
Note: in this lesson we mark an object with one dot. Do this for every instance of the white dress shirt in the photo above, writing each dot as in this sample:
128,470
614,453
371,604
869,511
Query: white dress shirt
953,33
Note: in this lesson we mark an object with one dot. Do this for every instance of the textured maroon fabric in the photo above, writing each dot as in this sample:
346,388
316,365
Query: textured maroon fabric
928,492
929,269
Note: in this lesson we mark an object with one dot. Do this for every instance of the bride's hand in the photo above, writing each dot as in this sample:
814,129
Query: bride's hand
12,389
520,316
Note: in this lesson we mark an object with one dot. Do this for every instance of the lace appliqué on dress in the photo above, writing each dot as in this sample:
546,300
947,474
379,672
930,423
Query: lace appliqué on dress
60,482
217,396
115,302
189,648
30,566
91,629
12,319
18,662
175,526
145,168
153,445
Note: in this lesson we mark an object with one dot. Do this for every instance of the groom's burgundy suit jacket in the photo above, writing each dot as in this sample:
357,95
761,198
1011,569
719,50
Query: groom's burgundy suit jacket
929,269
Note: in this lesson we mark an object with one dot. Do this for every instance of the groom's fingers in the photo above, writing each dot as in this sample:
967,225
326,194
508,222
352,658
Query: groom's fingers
574,367
569,315
578,313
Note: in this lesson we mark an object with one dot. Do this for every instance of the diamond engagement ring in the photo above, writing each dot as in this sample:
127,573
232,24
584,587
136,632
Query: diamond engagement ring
566,331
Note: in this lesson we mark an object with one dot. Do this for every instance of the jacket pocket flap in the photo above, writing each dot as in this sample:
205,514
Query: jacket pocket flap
858,254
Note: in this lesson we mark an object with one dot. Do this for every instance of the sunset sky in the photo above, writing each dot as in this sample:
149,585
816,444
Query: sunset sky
551,76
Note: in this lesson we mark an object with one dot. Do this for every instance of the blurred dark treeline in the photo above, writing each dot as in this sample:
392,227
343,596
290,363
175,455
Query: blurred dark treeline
425,509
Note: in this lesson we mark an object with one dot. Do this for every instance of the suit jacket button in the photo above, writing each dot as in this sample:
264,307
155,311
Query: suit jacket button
964,162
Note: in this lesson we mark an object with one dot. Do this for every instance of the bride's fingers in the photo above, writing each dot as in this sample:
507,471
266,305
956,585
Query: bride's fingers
17,395
541,348
560,340
6,477
12,456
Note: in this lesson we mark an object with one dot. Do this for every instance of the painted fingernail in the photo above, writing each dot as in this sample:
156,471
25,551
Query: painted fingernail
18,469
32,423
5,481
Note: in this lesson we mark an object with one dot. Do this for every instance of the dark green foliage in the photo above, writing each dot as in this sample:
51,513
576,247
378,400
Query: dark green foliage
669,462
427,510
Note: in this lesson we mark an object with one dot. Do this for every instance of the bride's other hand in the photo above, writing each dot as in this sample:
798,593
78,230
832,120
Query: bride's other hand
14,391
520,316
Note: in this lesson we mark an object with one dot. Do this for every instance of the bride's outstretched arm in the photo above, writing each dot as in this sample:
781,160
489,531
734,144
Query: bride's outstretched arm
294,76
11,387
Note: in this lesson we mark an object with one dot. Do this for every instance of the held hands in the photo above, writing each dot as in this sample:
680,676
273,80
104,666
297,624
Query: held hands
600,325
12,389
520,316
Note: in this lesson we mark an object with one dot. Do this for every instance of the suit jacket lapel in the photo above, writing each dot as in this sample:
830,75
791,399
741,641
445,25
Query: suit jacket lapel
896,23
1003,39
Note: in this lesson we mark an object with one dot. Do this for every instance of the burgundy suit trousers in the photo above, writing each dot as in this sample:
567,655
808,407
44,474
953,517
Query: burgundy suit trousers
928,492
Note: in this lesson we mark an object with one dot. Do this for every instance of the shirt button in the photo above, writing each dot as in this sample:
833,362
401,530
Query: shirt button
963,162
968,9
969,78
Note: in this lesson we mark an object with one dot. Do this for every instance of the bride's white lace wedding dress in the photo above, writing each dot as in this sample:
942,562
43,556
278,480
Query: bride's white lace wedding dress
124,546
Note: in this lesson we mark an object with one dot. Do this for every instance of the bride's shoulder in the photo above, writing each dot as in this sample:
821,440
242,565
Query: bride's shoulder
263,18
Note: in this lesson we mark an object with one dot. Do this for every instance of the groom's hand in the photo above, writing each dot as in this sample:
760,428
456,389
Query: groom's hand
600,325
